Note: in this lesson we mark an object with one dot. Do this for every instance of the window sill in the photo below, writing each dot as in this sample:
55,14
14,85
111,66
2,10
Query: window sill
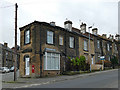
85,50
49,43
51,69
26,43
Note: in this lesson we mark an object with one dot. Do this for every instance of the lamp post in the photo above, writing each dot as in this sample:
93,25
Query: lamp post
89,46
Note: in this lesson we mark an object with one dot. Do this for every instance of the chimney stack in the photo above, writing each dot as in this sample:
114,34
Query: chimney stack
6,44
52,23
117,37
104,35
83,27
68,25
111,37
95,31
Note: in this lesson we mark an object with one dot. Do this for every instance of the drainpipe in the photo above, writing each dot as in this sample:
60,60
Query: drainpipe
65,54
40,56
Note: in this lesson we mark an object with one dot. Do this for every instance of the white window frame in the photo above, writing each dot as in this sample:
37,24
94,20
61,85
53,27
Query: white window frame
50,37
71,42
98,43
45,61
85,45
108,47
60,40
27,36
116,47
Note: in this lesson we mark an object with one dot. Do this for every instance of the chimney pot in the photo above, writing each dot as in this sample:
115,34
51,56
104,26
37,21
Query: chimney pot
83,27
68,25
52,23
6,44
104,35
95,31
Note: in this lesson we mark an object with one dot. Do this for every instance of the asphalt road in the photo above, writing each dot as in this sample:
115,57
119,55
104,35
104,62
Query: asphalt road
101,80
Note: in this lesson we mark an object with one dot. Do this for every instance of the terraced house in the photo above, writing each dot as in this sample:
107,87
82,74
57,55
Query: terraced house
45,47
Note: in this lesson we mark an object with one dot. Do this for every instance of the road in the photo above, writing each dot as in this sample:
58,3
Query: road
101,80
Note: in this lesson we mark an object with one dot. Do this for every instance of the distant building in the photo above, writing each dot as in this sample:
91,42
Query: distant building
7,56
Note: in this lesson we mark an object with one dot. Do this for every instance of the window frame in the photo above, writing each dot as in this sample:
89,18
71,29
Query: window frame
46,60
61,41
52,37
108,45
86,44
71,42
25,37
98,44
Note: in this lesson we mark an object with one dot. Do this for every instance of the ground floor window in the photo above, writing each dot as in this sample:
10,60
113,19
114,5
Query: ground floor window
51,61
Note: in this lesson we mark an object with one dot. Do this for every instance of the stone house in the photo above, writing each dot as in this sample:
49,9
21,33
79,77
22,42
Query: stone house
7,56
45,48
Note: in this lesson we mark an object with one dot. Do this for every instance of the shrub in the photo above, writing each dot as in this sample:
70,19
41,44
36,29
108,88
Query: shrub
114,61
77,64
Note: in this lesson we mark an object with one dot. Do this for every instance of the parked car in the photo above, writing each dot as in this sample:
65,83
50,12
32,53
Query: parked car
1,69
4,69
12,68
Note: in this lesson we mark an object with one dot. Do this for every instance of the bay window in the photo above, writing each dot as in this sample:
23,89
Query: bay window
51,61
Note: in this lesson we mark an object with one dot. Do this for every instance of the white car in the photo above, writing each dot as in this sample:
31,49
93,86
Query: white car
5,69
12,68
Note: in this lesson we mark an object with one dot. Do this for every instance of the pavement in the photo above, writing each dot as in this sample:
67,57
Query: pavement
29,82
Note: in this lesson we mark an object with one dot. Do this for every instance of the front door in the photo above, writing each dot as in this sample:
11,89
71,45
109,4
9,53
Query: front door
27,70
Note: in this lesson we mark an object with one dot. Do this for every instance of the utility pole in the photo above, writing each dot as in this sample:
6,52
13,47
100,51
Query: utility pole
16,6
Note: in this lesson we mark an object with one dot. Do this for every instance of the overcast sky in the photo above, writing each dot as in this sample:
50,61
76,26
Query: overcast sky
103,13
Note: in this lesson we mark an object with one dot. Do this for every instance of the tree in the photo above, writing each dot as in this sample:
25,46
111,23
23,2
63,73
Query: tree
114,61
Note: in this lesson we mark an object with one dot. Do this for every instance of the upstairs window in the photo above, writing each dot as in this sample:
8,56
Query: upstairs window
71,42
27,36
60,40
85,45
98,43
49,37
116,47
108,47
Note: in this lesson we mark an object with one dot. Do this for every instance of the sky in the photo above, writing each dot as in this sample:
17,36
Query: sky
102,13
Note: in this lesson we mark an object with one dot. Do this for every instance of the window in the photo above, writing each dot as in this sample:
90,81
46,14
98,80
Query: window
108,47
49,37
115,47
71,42
60,40
51,61
98,43
85,45
27,36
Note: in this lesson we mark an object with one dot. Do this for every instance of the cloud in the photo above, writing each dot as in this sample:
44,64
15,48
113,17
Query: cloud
103,14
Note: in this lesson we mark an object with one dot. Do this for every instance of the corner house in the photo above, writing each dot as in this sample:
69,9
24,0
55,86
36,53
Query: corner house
45,48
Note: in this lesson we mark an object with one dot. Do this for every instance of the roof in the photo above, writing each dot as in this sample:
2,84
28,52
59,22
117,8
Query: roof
58,27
